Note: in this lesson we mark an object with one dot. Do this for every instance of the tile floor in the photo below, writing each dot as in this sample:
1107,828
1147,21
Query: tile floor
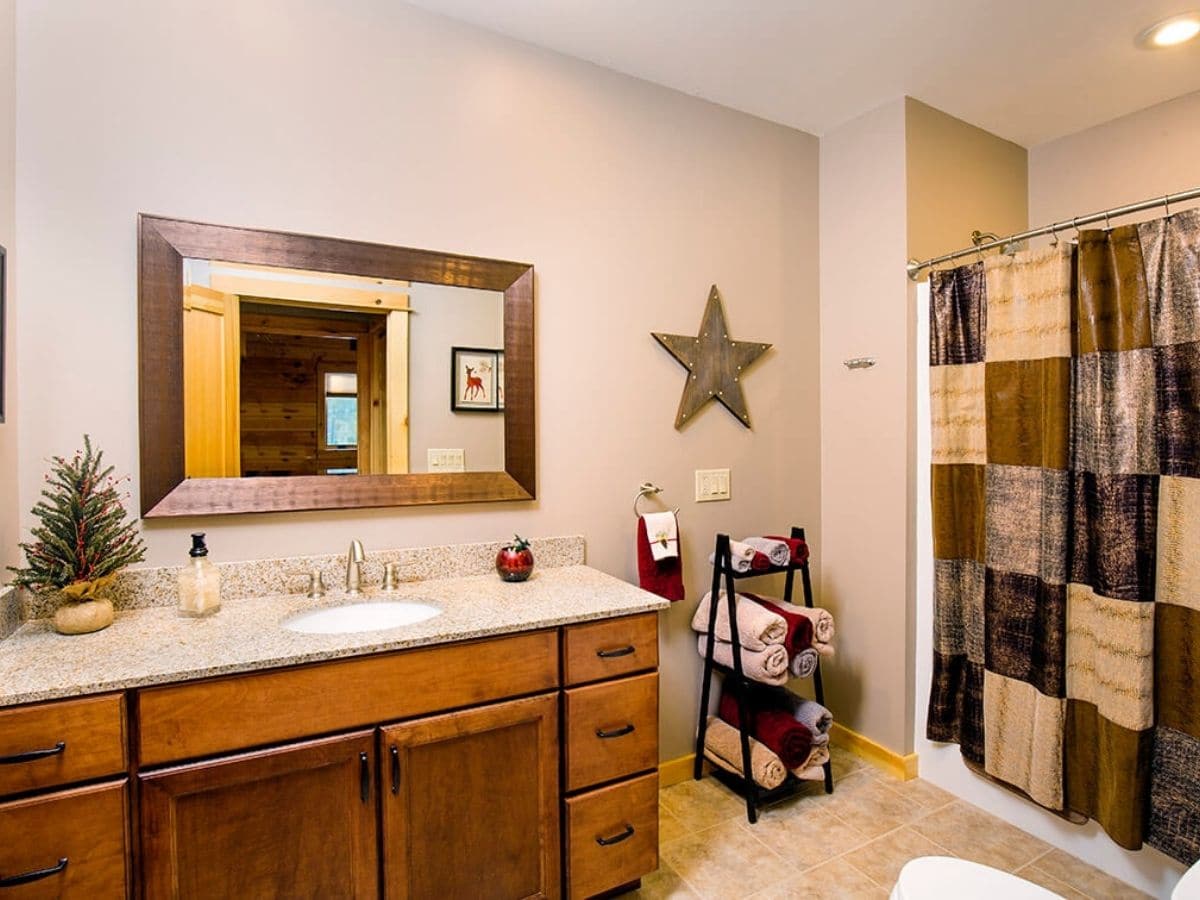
850,844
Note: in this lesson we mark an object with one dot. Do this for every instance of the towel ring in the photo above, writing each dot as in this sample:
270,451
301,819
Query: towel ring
647,489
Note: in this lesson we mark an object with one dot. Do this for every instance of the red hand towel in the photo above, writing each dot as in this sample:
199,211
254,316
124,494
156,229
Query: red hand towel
798,547
663,577
760,562
788,739
799,628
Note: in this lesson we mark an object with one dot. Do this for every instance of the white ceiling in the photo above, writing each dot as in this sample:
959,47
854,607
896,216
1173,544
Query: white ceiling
1027,70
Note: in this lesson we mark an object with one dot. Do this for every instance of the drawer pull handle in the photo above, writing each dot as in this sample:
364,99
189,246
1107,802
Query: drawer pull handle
38,875
616,732
364,777
613,654
30,755
395,769
616,838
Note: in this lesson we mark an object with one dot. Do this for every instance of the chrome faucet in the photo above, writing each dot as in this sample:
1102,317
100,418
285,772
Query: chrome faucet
354,561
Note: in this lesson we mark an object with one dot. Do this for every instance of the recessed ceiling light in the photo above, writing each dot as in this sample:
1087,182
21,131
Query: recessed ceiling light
1171,32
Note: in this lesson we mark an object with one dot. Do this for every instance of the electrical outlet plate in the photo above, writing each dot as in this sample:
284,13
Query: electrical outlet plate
712,484
452,460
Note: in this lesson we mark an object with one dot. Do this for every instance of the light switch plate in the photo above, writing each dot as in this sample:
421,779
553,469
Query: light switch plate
712,484
446,460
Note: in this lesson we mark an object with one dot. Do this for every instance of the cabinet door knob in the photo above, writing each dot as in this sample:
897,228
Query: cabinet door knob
37,875
616,732
619,651
395,769
616,838
364,777
30,755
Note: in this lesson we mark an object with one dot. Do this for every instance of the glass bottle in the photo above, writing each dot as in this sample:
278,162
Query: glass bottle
199,582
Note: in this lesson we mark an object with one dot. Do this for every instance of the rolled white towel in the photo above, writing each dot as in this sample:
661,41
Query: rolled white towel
778,552
769,666
758,627
741,555
818,756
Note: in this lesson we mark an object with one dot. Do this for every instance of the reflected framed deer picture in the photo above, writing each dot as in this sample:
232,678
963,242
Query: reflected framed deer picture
473,379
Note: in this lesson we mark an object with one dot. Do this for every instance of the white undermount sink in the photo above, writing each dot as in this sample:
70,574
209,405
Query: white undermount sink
355,617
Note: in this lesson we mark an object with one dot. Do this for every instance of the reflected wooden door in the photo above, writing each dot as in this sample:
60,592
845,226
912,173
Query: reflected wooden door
210,384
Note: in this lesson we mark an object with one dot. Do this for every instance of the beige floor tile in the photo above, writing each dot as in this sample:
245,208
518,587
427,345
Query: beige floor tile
1050,883
669,826
1086,879
882,859
805,836
923,795
701,804
663,884
844,762
969,832
870,806
724,861
835,880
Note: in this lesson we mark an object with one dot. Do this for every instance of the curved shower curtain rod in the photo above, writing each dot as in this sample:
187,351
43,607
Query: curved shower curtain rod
914,268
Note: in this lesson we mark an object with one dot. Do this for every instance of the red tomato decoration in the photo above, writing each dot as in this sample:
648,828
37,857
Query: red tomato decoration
514,562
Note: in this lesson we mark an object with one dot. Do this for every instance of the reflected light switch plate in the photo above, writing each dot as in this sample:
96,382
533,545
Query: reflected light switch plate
712,484
446,460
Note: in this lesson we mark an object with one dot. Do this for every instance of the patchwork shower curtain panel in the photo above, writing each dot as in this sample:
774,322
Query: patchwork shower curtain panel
1065,400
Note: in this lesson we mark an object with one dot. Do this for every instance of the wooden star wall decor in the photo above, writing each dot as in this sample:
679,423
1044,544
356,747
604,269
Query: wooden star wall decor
714,364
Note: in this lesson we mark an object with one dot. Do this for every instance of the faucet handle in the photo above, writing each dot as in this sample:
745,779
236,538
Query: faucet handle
390,578
316,583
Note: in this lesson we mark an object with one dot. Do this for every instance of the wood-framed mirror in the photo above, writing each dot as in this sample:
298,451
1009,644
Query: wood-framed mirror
284,371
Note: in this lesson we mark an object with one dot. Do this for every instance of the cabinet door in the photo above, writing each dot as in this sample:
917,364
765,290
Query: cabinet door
294,821
470,803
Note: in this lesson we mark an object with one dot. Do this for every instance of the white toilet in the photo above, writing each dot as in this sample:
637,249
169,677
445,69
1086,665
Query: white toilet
946,878
1189,885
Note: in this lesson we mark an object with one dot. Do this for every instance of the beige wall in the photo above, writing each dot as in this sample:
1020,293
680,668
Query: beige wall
960,179
1146,154
905,180
446,317
630,200
8,430
864,423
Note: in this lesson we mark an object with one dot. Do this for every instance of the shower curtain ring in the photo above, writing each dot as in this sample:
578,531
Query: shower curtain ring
1053,236
1075,225
1167,205
1107,223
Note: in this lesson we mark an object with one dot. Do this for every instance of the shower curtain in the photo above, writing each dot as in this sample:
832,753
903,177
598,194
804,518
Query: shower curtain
1065,406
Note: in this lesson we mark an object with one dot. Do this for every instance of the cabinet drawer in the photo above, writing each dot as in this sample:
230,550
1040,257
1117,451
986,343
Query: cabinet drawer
59,743
72,844
597,650
612,730
612,836
208,717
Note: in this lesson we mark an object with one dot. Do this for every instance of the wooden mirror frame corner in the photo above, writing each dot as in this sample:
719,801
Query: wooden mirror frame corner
163,244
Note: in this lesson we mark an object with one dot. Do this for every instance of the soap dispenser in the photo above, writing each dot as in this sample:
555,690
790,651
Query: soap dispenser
199,582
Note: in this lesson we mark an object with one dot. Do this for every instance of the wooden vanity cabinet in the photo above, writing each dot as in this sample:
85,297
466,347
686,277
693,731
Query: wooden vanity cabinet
294,821
470,803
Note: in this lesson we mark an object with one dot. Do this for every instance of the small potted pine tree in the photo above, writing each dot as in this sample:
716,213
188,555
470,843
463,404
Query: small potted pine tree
83,541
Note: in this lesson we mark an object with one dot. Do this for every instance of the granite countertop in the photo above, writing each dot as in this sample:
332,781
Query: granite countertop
156,645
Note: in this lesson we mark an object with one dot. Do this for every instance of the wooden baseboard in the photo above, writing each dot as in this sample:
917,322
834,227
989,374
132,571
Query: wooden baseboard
896,764
673,771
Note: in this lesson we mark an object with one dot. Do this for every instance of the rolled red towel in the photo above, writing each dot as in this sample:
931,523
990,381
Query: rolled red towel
798,547
799,628
788,739
760,562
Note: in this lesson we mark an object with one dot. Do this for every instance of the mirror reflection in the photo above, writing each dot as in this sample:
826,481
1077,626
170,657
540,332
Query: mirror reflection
294,372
